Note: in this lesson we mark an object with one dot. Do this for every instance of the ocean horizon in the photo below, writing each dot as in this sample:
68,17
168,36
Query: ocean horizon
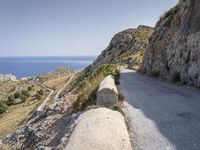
32,66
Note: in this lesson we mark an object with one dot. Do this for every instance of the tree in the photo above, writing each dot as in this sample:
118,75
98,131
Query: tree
3,107
38,96
11,100
17,94
30,88
40,92
23,98
26,93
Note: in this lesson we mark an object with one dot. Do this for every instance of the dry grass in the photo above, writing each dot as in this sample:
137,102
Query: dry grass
17,114
88,87
6,88
57,83
174,77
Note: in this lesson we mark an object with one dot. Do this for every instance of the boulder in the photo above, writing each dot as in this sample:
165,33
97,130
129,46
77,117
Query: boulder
99,129
107,94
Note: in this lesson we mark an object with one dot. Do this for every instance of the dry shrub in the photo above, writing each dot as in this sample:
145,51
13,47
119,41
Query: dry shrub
174,77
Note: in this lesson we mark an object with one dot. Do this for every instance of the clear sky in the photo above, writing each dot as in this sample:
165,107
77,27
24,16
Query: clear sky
70,27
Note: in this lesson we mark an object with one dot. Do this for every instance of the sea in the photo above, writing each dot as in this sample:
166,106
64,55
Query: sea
34,66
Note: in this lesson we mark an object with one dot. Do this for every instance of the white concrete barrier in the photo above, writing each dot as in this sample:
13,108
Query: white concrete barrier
107,94
100,129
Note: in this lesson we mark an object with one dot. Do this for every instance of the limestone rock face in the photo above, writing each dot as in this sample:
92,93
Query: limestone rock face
175,44
124,46
99,129
107,94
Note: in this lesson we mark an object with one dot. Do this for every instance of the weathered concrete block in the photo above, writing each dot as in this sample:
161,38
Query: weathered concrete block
100,129
107,94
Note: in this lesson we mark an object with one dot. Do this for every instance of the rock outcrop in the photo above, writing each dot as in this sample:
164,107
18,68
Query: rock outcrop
174,48
99,129
107,94
126,47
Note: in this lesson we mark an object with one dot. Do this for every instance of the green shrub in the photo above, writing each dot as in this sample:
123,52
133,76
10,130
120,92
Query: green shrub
11,100
23,98
117,77
78,104
154,74
40,92
121,98
38,96
171,12
170,15
119,109
17,94
26,93
30,88
3,107
174,77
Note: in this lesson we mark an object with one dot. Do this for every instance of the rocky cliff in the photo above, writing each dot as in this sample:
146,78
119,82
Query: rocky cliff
126,47
174,48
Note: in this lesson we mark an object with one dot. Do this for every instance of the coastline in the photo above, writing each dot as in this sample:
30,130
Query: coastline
23,67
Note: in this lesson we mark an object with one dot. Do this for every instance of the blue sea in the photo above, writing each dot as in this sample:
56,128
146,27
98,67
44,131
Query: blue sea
33,66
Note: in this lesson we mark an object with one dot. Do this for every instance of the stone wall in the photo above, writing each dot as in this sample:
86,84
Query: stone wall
99,129
107,94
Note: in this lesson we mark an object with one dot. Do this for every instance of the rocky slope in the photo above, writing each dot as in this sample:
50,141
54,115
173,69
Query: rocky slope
58,73
126,47
174,49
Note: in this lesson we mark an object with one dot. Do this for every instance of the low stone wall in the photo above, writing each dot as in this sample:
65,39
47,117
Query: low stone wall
107,94
99,129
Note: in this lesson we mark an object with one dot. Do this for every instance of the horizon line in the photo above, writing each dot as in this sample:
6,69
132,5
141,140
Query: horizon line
55,56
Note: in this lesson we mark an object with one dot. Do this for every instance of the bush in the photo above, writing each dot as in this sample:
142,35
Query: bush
11,100
26,93
78,104
117,77
3,107
23,98
38,96
171,12
17,94
170,16
174,77
54,88
40,92
30,88
121,98
155,74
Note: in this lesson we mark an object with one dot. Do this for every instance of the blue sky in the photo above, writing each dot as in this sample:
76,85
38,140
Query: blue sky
70,27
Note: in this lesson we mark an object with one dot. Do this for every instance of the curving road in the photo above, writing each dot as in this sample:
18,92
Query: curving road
161,116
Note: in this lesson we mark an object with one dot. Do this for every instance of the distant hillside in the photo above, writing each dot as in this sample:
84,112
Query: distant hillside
58,73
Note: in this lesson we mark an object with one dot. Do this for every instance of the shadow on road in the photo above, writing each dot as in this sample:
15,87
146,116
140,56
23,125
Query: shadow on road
174,110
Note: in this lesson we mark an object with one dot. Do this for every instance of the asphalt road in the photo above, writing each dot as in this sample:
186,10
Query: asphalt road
161,116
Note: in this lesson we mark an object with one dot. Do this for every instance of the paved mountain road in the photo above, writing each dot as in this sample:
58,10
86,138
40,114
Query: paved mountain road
162,116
